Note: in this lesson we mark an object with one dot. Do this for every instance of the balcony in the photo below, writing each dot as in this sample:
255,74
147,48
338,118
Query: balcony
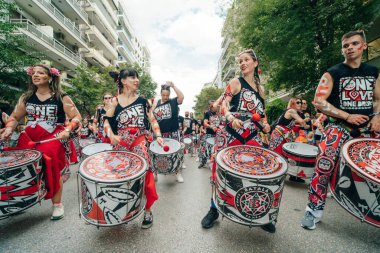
125,36
282,94
126,53
227,61
97,58
98,19
98,39
49,14
72,10
47,45
229,74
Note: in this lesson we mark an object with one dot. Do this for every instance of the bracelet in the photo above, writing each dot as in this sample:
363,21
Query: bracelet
347,117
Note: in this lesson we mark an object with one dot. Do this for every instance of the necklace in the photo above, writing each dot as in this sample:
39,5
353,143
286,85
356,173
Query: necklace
43,93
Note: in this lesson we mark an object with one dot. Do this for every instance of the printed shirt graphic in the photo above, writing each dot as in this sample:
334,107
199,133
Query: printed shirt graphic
47,113
131,116
167,115
163,112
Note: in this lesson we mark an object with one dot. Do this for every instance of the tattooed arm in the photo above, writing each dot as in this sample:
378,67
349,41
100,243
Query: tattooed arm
320,102
72,113
11,121
375,122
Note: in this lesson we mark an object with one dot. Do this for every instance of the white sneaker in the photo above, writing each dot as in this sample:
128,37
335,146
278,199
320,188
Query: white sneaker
179,177
58,212
197,160
183,166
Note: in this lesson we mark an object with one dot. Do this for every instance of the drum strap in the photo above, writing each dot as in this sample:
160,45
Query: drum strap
243,140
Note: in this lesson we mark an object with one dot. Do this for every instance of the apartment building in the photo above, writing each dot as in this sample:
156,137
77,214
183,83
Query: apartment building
71,32
373,40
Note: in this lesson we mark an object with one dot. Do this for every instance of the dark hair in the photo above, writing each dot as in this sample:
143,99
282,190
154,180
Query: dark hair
165,87
124,73
54,85
256,76
353,33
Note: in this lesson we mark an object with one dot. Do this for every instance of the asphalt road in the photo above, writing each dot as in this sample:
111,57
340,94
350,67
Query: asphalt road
177,216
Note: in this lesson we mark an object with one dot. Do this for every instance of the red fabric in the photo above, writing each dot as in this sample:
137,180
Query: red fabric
299,158
53,155
150,190
73,152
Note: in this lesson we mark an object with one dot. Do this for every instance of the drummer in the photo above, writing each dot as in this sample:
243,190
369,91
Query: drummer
129,115
98,123
209,124
85,131
336,96
45,106
282,131
187,131
243,97
165,111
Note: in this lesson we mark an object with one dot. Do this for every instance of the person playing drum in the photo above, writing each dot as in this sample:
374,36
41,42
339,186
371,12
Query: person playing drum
243,97
129,115
86,130
98,123
45,106
283,129
348,93
165,111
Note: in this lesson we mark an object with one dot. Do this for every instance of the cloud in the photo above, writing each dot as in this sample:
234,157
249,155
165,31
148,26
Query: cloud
184,39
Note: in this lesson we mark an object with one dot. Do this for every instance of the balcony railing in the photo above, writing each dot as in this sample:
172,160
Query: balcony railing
79,8
127,34
32,28
67,22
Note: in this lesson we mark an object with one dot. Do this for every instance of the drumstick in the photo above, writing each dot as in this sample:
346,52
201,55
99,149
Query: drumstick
33,144
357,132
166,148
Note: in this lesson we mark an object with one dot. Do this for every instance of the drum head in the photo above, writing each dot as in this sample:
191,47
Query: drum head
96,148
300,149
174,147
187,141
113,167
363,155
252,162
84,142
15,158
210,141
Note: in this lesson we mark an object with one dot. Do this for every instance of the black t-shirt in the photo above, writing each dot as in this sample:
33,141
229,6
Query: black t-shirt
167,115
133,115
85,131
213,121
353,88
188,122
180,122
50,111
282,121
101,113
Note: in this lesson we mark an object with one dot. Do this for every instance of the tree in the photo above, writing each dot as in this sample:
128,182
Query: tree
297,40
274,109
13,59
203,98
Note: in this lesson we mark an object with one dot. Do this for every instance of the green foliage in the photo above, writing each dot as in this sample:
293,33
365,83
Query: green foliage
275,109
298,40
12,59
203,98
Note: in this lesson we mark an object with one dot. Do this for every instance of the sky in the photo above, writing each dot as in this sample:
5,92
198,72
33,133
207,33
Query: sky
184,40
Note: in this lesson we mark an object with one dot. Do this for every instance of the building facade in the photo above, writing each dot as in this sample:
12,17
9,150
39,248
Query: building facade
70,32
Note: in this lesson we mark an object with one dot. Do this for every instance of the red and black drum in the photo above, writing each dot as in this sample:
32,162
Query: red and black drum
166,162
249,184
301,158
356,183
21,180
112,187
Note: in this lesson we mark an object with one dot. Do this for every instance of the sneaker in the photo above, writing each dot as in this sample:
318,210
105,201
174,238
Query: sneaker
210,218
293,178
58,212
197,160
270,227
309,221
183,166
201,165
148,220
300,180
179,177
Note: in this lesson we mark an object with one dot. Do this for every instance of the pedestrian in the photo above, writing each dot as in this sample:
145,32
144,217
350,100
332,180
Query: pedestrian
336,96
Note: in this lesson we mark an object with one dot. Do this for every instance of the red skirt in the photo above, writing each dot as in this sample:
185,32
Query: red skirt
54,155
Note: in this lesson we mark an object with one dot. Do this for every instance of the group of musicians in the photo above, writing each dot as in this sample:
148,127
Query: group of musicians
128,121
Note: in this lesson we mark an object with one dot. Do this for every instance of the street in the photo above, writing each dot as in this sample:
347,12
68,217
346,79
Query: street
177,228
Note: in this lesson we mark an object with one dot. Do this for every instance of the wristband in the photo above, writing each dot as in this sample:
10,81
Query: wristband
347,117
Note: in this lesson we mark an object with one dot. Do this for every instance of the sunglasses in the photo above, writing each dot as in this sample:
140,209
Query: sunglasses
298,102
107,97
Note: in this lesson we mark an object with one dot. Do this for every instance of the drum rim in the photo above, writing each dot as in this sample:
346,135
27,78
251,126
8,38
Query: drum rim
262,177
344,155
138,175
92,144
210,143
27,163
86,140
166,153
188,139
294,153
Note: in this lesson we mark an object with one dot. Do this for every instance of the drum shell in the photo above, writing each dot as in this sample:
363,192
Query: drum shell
261,194
22,186
210,142
355,193
300,165
167,163
84,142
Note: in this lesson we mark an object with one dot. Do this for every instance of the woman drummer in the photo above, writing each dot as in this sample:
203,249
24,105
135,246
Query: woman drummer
98,123
165,111
243,97
130,115
45,105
